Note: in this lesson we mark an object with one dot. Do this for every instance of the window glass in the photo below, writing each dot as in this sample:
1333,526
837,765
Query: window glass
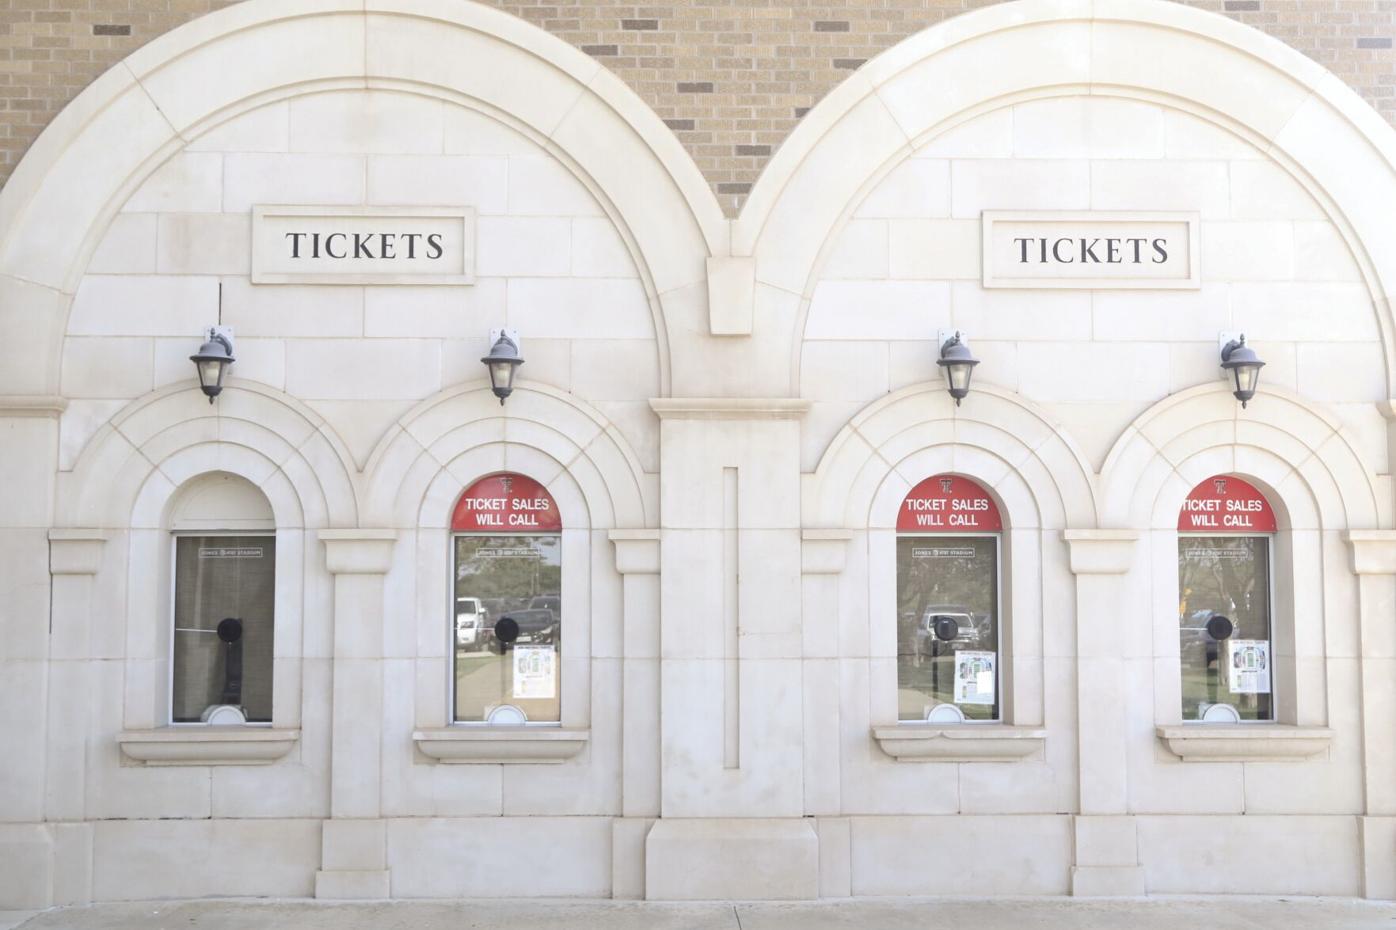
1224,624
506,612
508,625
224,597
947,602
947,637
1225,529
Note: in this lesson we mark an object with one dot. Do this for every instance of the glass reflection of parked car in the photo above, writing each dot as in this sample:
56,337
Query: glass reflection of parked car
929,643
472,619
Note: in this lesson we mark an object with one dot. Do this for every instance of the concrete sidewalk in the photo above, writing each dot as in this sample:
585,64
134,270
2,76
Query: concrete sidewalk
1212,913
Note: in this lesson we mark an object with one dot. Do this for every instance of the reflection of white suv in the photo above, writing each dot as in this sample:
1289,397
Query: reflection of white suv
471,621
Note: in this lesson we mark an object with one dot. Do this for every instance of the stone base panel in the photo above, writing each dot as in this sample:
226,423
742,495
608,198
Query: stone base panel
600,857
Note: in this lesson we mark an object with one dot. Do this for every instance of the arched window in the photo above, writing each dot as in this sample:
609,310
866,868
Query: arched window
506,609
948,597
224,551
1226,533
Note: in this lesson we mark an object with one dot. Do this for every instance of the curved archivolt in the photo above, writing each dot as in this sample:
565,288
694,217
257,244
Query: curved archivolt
1002,441
1303,456
132,467
448,441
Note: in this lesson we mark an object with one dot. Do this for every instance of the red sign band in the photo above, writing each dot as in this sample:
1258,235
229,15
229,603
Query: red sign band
1226,504
948,504
506,504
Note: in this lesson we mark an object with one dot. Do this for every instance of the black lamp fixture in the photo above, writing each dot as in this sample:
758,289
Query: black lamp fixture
213,360
958,362
502,362
1244,365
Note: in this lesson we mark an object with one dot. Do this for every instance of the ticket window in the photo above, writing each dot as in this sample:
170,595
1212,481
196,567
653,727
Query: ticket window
948,540
1226,532
506,603
223,603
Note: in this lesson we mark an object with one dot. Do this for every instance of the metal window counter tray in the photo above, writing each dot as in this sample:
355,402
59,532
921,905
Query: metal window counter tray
495,745
959,742
1238,742
207,745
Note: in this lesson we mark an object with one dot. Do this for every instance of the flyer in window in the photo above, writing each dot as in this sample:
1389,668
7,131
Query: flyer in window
974,677
1248,666
535,672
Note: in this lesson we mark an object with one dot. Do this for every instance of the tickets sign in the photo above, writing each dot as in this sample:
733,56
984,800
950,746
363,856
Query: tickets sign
506,504
948,504
1226,504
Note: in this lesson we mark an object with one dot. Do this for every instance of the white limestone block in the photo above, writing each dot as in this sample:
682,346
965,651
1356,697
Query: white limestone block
1313,855
881,310
688,860
1054,371
937,249
889,855
860,251
615,369
276,310
468,132
1020,315
260,178
598,250
372,121
523,246
436,180
988,135
205,243
378,369
202,858
1194,186
144,305
539,185
595,308
442,312
844,371
1020,184
1173,316
918,187
190,182
128,246
1248,251
103,367
264,129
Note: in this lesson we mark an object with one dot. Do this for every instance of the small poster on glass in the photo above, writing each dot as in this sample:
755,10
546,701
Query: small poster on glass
535,672
974,677
1248,666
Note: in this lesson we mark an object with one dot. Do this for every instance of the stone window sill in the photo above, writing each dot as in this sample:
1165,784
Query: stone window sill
1234,742
496,745
202,745
964,742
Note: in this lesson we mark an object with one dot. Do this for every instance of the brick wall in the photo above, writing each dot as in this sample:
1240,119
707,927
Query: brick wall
731,77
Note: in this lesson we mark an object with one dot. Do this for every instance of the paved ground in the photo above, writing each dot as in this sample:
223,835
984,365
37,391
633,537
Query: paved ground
1214,913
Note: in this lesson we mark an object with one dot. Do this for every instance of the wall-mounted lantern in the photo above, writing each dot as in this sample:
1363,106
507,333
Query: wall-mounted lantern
1244,365
958,362
213,359
503,361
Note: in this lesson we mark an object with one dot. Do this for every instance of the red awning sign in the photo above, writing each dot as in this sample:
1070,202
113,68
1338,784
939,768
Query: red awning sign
1226,504
948,504
506,504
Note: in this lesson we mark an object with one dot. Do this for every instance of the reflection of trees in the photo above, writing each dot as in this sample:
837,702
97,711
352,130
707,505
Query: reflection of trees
953,581
1214,576
510,576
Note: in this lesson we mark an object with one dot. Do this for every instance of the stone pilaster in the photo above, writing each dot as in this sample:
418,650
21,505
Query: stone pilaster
354,842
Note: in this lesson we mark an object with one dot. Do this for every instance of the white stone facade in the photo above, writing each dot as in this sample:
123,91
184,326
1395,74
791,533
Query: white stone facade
728,415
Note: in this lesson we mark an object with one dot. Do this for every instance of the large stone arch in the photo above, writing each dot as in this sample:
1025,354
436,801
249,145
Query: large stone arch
111,137
1301,116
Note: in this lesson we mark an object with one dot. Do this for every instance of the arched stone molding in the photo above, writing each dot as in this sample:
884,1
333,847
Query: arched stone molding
130,470
1042,485
1301,116
447,441
414,478
1300,454
1003,441
1302,458
84,165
